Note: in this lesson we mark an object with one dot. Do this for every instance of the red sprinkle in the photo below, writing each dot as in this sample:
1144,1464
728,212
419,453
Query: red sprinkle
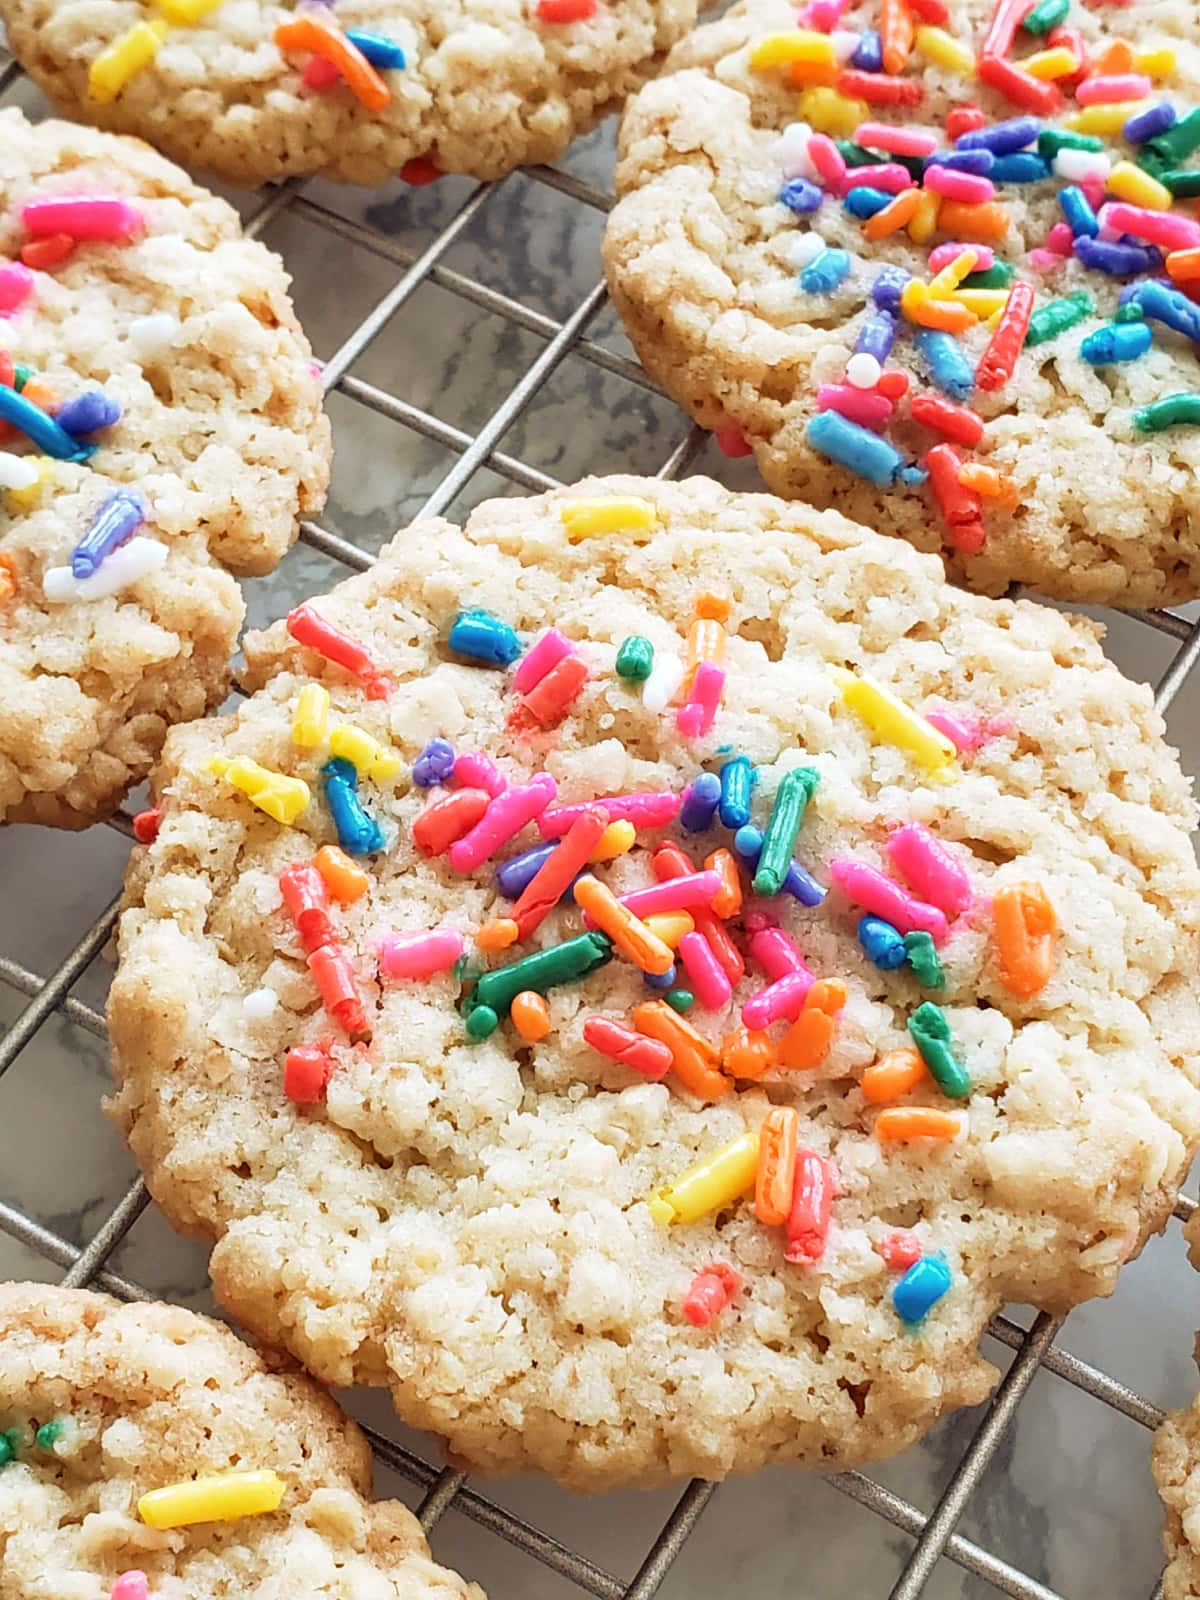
878,90
892,385
1000,358
550,698
964,119
641,1054
711,1291
320,73
8,371
1022,88
934,11
42,254
901,1250
959,423
448,819
565,10
306,1072
146,823
732,441
552,879
310,629
334,977
307,899
1073,40
961,509
812,1205
419,171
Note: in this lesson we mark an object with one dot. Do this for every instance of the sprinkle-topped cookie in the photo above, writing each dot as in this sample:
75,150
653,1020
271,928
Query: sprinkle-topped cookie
939,265
662,1057
160,428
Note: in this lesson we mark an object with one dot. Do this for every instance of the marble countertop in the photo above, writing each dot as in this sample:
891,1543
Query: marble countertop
1068,1497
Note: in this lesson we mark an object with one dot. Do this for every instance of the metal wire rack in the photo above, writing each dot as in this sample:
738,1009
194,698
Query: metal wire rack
934,1535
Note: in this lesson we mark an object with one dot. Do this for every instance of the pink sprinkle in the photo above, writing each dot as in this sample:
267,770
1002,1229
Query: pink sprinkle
131,1586
781,1000
1045,261
710,1293
1061,240
901,1250
539,658
502,821
944,254
709,983
319,73
930,868
672,894
823,15
996,728
82,216
868,887
695,717
653,809
1101,90
827,159
474,770
775,951
16,286
961,730
896,141
1164,228
889,176
867,407
732,441
966,186
418,955
1093,191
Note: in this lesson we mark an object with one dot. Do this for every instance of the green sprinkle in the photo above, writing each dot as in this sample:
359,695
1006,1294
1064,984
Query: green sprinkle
854,155
1177,144
481,1022
796,789
1131,311
680,1000
930,1032
48,1434
21,376
560,963
635,659
1052,140
1183,185
998,276
923,959
1047,322
1168,413
7,1450
1045,15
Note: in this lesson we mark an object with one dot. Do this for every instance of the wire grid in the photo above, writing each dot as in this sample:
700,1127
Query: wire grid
934,1535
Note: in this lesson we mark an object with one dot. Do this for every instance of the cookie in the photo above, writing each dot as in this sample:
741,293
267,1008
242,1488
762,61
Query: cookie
788,255
386,87
160,429
882,1014
147,1452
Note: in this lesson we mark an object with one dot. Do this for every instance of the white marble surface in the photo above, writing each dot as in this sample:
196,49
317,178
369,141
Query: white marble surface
1069,1496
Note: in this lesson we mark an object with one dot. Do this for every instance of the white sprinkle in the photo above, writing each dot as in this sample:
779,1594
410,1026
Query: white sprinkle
863,371
805,248
260,1004
127,565
17,472
845,43
1076,165
790,151
665,677
152,336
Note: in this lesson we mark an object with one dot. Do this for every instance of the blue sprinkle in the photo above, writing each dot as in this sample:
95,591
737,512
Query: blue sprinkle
50,439
913,477
800,196
1132,291
830,434
1117,258
1150,123
379,50
358,834
1022,166
513,875
882,944
862,201
1001,138
434,765
889,286
88,413
920,1289
117,520
948,366
661,980
868,53
1077,209
1121,341
484,638
823,275
1171,307
737,785
700,800
877,336
801,885
978,163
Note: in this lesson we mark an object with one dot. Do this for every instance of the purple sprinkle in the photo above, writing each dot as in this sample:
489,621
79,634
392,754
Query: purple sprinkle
1002,138
868,54
889,286
88,413
512,875
434,765
117,520
1150,123
1117,259
977,162
876,336
800,196
700,800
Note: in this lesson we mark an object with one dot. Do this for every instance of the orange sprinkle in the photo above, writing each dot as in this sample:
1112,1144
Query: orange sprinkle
894,1074
713,605
345,880
1116,57
1025,928
948,315
896,33
975,223
727,901
806,1043
1184,265
897,214
805,74
323,39
8,577
39,393
628,932
776,1174
917,1122
748,1053
42,254
706,642
693,1059
497,934
993,485
530,1015
828,995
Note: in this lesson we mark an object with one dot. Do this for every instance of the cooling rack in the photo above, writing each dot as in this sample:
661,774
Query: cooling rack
471,463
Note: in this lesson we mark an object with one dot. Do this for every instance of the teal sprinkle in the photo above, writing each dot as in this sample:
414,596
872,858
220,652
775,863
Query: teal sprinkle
998,276
482,1022
49,1434
930,1030
923,959
680,1000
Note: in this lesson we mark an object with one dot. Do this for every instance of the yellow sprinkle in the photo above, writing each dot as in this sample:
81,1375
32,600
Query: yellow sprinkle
610,514
1158,63
944,50
282,798
782,49
670,926
312,712
716,1181
925,218
372,759
1105,119
983,302
222,1498
26,499
132,50
616,839
952,274
827,111
913,296
1057,63
894,722
187,12
1131,183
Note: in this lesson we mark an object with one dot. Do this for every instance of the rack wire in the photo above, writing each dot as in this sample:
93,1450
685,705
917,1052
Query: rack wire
934,1536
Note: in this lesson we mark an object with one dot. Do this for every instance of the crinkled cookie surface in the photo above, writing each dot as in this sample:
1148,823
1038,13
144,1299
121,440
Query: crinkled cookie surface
467,1221
188,327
